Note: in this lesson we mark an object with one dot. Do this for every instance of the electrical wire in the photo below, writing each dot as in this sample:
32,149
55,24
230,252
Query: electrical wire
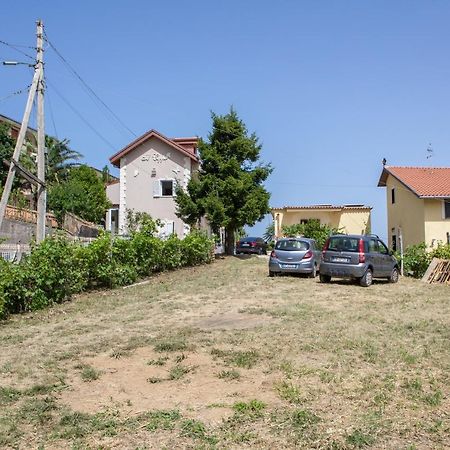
86,86
15,47
20,91
80,116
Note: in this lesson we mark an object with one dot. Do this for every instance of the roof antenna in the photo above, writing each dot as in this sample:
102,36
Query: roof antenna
429,151
384,161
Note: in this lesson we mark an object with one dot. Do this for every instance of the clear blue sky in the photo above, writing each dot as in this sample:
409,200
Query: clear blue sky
330,87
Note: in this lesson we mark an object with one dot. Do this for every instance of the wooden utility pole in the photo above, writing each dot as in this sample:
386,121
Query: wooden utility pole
36,85
41,191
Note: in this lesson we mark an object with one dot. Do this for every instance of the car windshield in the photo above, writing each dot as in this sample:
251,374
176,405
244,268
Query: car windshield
248,239
344,244
292,245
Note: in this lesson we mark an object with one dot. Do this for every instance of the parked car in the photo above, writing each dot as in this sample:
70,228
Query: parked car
358,257
295,255
255,245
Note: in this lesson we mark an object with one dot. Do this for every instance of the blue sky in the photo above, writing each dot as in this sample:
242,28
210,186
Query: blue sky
330,87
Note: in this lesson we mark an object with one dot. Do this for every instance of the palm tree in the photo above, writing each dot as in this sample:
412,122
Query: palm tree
60,159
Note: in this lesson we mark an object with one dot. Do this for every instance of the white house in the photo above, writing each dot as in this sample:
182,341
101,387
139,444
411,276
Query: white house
149,168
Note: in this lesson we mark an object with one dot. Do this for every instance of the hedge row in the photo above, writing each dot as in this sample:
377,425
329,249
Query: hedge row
58,268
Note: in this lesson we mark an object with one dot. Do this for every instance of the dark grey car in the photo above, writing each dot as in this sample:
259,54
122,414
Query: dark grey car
295,255
359,257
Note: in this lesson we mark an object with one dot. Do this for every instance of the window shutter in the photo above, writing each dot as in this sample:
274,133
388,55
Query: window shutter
156,188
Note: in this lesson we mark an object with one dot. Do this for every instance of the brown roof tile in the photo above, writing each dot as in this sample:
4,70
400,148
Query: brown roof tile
422,181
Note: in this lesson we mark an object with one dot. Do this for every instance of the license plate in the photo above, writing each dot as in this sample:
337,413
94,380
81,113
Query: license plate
344,260
245,245
288,266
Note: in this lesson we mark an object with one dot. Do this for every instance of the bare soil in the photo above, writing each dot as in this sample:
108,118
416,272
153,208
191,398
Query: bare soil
222,356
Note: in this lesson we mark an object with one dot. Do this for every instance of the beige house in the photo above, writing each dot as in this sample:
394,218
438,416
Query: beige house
418,205
150,167
351,219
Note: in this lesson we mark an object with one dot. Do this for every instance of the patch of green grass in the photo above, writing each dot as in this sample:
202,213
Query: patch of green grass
161,420
9,395
179,371
359,439
229,375
196,430
433,398
37,410
302,419
171,345
89,374
252,409
288,391
76,425
244,359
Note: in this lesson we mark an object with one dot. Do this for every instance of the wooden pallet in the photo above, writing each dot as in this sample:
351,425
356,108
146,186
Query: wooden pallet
438,272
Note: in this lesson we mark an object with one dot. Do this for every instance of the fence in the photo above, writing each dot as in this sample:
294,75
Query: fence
14,252
28,215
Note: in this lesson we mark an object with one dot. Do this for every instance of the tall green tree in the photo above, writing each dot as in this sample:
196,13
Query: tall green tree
60,159
82,194
228,189
7,144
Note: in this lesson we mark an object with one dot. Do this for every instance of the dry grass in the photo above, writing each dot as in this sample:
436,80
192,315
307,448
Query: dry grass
222,356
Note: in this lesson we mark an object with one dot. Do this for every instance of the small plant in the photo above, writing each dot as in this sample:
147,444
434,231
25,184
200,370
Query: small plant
303,419
359,439
161,361
171,346
161,420
179,371
89,374
229,375
254,408
196,430
243,359
288,391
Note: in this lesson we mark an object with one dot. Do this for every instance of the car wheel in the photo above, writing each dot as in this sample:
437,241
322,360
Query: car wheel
324,278
394,276
367,279
313,273
271,274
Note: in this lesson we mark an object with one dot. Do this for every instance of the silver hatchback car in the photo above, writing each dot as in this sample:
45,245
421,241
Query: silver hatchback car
295,255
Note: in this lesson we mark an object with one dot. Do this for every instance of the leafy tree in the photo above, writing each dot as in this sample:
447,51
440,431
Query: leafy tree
7,144
60,159
269,234
82,194
228,189
311,229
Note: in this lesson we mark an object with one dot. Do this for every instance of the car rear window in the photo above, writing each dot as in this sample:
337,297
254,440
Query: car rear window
343,244
292,245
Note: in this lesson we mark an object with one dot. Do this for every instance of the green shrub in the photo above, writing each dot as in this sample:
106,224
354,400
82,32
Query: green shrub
416,260
58,268
442,251
312,229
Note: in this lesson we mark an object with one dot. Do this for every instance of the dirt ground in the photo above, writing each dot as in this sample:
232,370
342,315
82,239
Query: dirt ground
222,356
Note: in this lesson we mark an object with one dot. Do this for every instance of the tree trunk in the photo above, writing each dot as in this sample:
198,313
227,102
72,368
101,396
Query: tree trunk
229,240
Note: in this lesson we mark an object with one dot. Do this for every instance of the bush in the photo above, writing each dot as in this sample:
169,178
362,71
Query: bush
312,229
58,268
417,258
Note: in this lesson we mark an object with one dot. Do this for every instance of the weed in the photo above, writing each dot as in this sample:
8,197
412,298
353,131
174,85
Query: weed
154,380
229,375
9,395
180,358
434,398
89,374
288,391
37,410
243,359
161,361
179,371
252,409
119,353
359,439
196,430
75,425
161,420
302,419
171,345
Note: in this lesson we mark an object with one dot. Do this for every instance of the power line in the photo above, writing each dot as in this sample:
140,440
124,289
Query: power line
64,99
51,114
20,91
15,47
87,87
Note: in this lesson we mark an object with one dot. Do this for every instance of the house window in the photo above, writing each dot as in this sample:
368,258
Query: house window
392,195
163,188
167,188
304,221
446,209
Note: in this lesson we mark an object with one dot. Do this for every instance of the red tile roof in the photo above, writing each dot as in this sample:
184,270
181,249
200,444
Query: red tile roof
423,181
186,146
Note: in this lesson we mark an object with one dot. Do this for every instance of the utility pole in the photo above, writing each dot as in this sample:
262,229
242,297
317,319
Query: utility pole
41,191
37,84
